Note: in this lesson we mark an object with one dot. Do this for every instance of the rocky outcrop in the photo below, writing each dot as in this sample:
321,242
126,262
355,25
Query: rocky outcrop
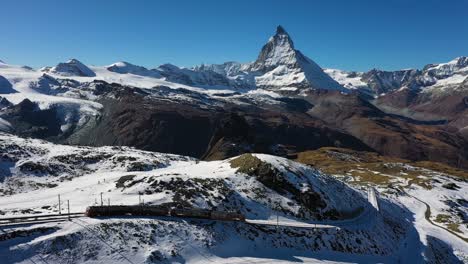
28,120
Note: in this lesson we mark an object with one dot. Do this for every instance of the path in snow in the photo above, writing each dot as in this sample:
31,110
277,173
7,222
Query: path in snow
427,215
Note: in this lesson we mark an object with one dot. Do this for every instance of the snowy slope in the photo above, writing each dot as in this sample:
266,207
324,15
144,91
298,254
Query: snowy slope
39,171
124,67
350,80
30,167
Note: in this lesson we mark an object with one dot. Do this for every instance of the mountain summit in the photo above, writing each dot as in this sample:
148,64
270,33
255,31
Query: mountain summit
281,65
72,67
278,51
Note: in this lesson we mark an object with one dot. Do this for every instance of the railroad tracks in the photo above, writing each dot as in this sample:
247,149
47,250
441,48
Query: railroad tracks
33,219
38,219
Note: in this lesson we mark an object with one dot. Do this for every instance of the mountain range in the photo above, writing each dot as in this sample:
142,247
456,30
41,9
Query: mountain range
281,103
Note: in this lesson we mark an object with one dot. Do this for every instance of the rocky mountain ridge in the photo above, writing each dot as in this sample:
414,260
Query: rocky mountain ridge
233,108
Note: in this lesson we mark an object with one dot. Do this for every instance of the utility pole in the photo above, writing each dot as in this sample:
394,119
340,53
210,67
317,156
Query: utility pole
101,200
60,210
277,219
108,201
68,205
139,198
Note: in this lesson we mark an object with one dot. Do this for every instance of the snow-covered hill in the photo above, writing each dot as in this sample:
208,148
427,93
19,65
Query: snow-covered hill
264,187
260,186
33,166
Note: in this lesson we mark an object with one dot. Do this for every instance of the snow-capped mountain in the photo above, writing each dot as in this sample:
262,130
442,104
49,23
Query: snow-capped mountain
205,78
281,87
278,66
72,67
432,78
281,65
236,73
124,67
436,92
457,66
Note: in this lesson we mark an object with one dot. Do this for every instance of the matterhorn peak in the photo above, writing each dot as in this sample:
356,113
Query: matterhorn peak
74,61
280,30
280,64
279,50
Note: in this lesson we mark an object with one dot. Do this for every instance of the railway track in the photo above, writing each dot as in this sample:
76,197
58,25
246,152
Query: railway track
34,219
200,214
39,219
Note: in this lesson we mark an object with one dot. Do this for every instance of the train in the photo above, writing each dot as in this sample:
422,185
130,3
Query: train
155,210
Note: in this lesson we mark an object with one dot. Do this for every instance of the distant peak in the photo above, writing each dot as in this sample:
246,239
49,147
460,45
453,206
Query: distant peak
281,31
122,64
74,61
72,67
463,60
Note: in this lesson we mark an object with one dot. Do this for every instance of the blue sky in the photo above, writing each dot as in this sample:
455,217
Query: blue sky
351,35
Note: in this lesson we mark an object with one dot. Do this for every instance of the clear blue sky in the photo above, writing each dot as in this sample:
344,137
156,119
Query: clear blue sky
351,35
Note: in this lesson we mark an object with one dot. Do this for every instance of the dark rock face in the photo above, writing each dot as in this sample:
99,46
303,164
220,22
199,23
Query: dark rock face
451,186
452,107
4,102
30,121
134,119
